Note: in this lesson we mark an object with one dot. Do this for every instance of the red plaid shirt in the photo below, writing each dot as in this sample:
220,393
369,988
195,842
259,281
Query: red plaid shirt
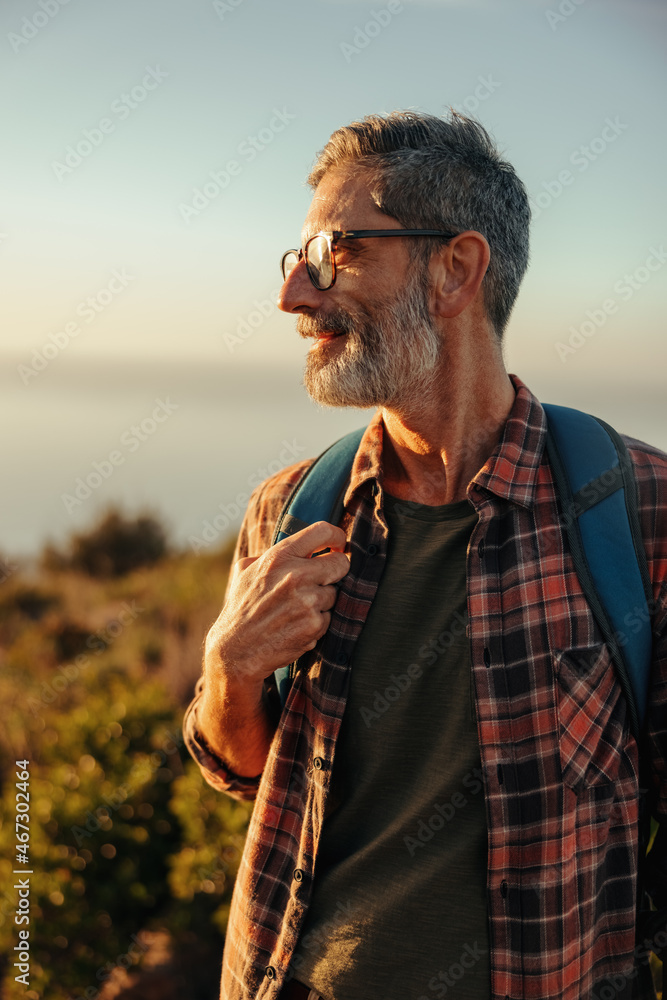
560,765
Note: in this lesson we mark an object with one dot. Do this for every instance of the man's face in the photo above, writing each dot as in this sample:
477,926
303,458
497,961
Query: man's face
375,342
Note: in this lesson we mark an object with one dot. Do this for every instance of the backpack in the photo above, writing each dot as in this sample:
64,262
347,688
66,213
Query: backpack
597,499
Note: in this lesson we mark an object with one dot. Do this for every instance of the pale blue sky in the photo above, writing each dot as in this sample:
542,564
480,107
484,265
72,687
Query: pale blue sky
547,89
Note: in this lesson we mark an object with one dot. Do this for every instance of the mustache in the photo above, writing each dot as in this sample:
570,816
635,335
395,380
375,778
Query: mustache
336,322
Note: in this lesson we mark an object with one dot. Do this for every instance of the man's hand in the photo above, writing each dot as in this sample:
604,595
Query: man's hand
278,604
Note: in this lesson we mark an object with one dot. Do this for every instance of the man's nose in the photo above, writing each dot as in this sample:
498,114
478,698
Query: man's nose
298,293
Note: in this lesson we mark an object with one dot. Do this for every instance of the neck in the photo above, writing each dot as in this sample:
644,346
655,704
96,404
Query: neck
435,445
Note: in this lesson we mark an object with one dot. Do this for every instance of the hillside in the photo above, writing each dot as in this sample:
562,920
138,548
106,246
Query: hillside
133,856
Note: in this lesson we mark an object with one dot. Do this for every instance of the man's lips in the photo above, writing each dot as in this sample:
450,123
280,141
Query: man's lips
328,335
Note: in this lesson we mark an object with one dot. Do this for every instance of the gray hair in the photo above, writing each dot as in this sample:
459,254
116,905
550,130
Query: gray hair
442,173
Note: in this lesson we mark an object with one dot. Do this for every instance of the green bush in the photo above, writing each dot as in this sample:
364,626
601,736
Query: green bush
126,838
114,546
123,836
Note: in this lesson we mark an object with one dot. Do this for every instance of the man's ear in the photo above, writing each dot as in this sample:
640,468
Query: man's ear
456,273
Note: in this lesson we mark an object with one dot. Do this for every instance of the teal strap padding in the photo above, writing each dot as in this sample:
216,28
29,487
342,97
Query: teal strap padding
283,682
603,531
314,498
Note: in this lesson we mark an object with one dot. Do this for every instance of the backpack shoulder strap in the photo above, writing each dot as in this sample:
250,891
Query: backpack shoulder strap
598,501
317,496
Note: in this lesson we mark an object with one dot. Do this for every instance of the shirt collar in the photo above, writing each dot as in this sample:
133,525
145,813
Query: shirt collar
510,471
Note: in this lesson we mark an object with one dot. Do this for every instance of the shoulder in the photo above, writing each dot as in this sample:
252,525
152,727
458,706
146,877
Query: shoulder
641,448
650,469
266,503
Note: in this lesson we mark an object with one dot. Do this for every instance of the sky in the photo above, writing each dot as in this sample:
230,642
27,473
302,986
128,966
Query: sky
153,171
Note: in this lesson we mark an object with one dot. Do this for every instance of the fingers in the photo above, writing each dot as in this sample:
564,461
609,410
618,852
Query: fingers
328,568
326,621
326,598
315,537
284,593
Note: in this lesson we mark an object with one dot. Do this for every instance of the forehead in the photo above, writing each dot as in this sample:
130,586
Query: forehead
342,200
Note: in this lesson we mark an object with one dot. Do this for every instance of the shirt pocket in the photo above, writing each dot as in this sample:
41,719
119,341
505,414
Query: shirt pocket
591,716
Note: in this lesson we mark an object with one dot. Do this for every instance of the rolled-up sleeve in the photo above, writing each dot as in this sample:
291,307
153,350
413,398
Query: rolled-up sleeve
214,770
254,538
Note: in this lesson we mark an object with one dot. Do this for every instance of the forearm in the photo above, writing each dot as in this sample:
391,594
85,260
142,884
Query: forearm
236,720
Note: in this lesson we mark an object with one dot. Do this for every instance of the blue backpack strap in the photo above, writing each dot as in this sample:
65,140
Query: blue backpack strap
598,500
317,496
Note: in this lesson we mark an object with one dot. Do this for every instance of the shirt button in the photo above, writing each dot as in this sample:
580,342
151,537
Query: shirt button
342,658
487,657
270,972
372,550
503,888
318,763
298,875
480,549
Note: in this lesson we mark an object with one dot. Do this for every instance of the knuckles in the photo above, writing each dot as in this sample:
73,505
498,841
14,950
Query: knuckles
342,565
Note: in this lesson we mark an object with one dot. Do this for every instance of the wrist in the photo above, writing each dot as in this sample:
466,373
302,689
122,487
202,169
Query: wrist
225,684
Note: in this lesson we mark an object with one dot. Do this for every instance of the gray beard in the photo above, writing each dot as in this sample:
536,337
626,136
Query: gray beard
388,357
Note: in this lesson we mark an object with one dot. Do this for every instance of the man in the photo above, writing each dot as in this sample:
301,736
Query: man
448,804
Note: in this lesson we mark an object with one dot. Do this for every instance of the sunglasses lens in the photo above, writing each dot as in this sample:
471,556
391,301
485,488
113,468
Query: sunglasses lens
320,266
289,262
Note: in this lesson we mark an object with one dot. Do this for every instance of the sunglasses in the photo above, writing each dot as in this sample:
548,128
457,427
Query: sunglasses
319,252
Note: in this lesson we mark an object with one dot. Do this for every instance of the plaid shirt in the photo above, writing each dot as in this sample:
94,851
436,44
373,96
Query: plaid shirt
559,763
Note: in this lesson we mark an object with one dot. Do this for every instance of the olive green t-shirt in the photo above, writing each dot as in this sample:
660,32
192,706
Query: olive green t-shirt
399,908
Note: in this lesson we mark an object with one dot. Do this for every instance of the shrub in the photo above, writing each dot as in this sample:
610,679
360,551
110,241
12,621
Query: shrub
116,545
